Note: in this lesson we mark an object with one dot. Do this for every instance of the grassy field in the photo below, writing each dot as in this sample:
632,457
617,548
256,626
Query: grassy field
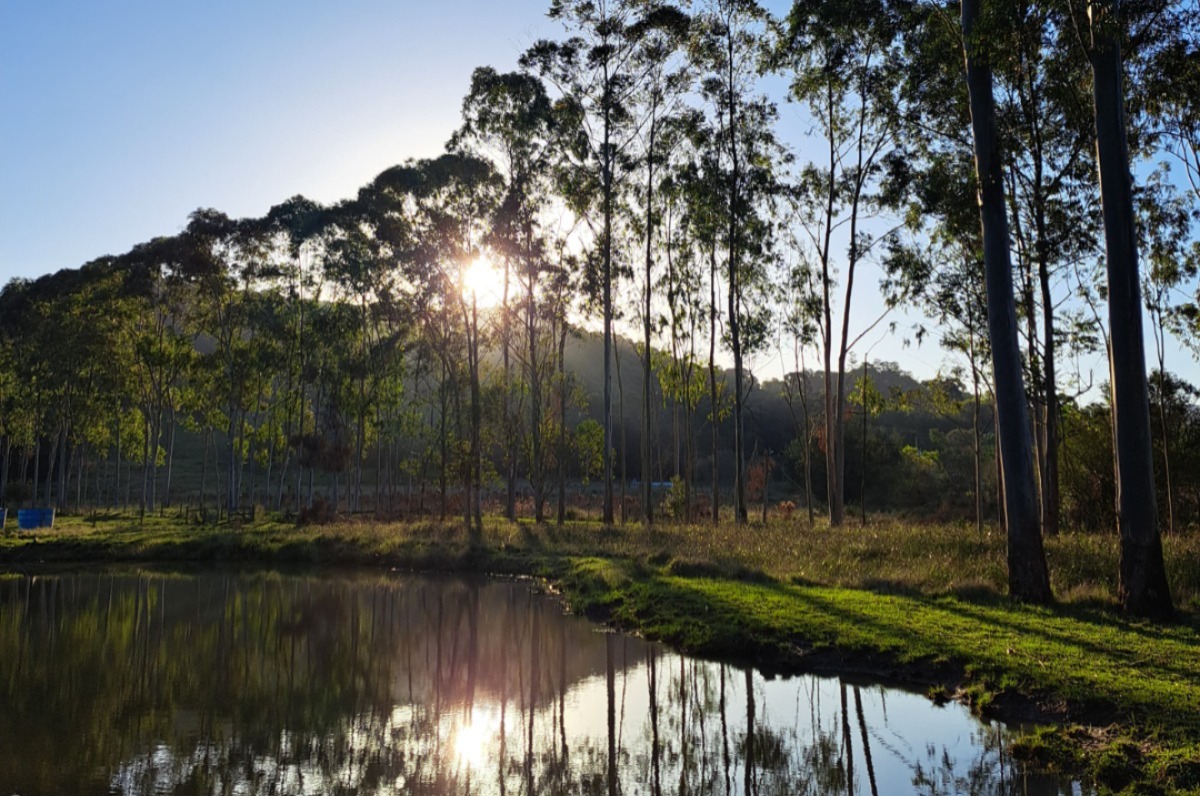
922,603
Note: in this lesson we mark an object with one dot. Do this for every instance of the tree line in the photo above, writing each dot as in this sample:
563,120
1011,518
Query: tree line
632,171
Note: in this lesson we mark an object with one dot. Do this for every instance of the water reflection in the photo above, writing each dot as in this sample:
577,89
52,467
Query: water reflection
228,683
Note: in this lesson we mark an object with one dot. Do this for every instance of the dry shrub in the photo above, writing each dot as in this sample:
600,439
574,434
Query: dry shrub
319,513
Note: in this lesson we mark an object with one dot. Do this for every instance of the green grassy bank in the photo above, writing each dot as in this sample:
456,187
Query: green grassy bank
917,603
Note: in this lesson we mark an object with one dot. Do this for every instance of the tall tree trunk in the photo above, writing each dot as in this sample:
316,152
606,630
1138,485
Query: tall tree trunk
714,415
231,499
472,506
444,441
834,488
621,417
839,443
1050,489
1028,578
562,420
64,468
1036,390
866,412
537,474
166,501
606,298
735,304
506,411
50,471
976,436
1142,587
647,506
78,453
5,466
37,464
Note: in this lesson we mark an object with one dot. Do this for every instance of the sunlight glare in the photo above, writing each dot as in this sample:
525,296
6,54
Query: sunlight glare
474,737
484,281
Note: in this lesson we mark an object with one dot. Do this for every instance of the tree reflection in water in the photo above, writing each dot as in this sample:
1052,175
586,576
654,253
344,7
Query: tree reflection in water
270,684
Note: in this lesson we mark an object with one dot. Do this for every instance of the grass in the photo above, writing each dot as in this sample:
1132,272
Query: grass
922,603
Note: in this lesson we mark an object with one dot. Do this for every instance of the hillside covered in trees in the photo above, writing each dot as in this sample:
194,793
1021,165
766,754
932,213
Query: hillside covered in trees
566,300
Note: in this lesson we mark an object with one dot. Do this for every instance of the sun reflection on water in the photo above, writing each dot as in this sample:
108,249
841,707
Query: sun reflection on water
475,735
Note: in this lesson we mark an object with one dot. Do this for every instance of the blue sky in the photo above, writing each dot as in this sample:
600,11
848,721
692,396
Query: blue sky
117,119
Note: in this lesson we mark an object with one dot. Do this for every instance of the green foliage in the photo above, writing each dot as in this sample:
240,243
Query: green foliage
674,503
589,448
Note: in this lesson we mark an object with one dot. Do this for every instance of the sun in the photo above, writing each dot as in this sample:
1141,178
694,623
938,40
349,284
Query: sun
484,281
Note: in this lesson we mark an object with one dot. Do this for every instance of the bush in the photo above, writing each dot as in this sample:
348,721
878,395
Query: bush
319,513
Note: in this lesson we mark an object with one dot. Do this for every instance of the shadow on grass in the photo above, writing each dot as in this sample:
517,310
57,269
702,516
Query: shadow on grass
775,617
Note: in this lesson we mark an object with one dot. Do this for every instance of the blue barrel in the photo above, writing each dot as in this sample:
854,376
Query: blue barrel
47,520
29,519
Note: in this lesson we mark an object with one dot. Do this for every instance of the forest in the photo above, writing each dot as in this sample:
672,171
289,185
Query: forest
554,319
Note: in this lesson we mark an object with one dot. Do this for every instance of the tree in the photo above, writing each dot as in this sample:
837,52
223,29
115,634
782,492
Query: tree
163,351
870,402
727,47
661,33
1173,259
1028,578
593,72
450,200
1142,586
679,374
841,58
1045,124
509,118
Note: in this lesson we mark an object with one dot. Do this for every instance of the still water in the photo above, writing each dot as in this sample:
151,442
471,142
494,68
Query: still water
235,683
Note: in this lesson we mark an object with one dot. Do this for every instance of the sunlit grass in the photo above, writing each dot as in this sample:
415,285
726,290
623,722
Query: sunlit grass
885,556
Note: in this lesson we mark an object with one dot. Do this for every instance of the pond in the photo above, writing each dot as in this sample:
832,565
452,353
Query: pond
134,682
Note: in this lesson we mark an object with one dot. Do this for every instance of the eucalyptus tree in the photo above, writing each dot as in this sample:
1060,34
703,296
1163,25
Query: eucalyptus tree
563,283
686,232
223,258
844,66
1165,74
703,187
727,49
1167,51
1173,261
163,352
321,442
594,74
509,119
799,315
451,201
8,410
935,262
22,364
947,286
360,253
296,231
661,33
67,368
1142,586
1044,120
934,180
1028,577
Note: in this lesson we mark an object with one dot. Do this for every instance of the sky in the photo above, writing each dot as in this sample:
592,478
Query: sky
118,119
